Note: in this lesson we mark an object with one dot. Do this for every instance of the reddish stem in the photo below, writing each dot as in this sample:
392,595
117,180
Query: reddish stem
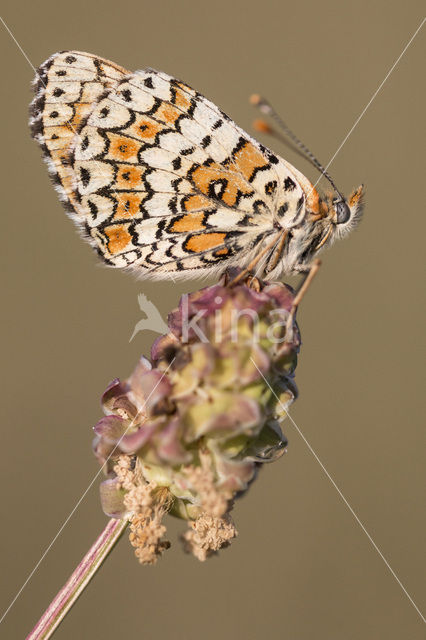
79,579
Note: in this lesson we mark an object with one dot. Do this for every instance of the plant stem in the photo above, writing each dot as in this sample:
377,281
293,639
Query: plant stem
80,578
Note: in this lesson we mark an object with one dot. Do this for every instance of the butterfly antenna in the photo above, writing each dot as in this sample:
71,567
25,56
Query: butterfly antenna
260,125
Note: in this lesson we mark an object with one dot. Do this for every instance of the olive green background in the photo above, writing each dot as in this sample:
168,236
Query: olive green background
302,567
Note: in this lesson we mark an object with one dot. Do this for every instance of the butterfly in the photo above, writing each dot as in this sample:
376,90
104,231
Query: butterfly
161,182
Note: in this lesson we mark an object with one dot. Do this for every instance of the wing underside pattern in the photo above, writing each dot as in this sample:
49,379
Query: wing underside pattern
156,175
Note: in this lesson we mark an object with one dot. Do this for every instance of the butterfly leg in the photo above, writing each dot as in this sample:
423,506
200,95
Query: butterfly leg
277,252
255,260
307,280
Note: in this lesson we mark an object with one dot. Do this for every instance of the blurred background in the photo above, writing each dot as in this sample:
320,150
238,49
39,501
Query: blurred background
301,567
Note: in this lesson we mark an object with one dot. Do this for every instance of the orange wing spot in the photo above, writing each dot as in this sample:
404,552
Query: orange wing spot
81,110
122,148
167,113
189,222
129,177
222,252
197,202
313,201
248,158
118,238
60,158
203,177
68,184
311,194
204,241
145,128
185,87
128,204
182,101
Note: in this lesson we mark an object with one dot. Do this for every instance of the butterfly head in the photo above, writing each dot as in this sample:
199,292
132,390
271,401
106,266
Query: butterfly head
335,218
345,214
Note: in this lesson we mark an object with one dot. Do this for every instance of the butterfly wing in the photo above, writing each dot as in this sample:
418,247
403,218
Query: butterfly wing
67,85
160,179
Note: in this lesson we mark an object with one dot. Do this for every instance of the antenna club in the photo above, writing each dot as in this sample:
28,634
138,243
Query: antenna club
255,99
262,126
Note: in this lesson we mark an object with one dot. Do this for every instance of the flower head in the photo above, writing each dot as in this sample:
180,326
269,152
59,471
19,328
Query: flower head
187,432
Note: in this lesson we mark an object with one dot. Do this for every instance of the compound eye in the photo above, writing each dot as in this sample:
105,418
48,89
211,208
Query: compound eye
343,213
